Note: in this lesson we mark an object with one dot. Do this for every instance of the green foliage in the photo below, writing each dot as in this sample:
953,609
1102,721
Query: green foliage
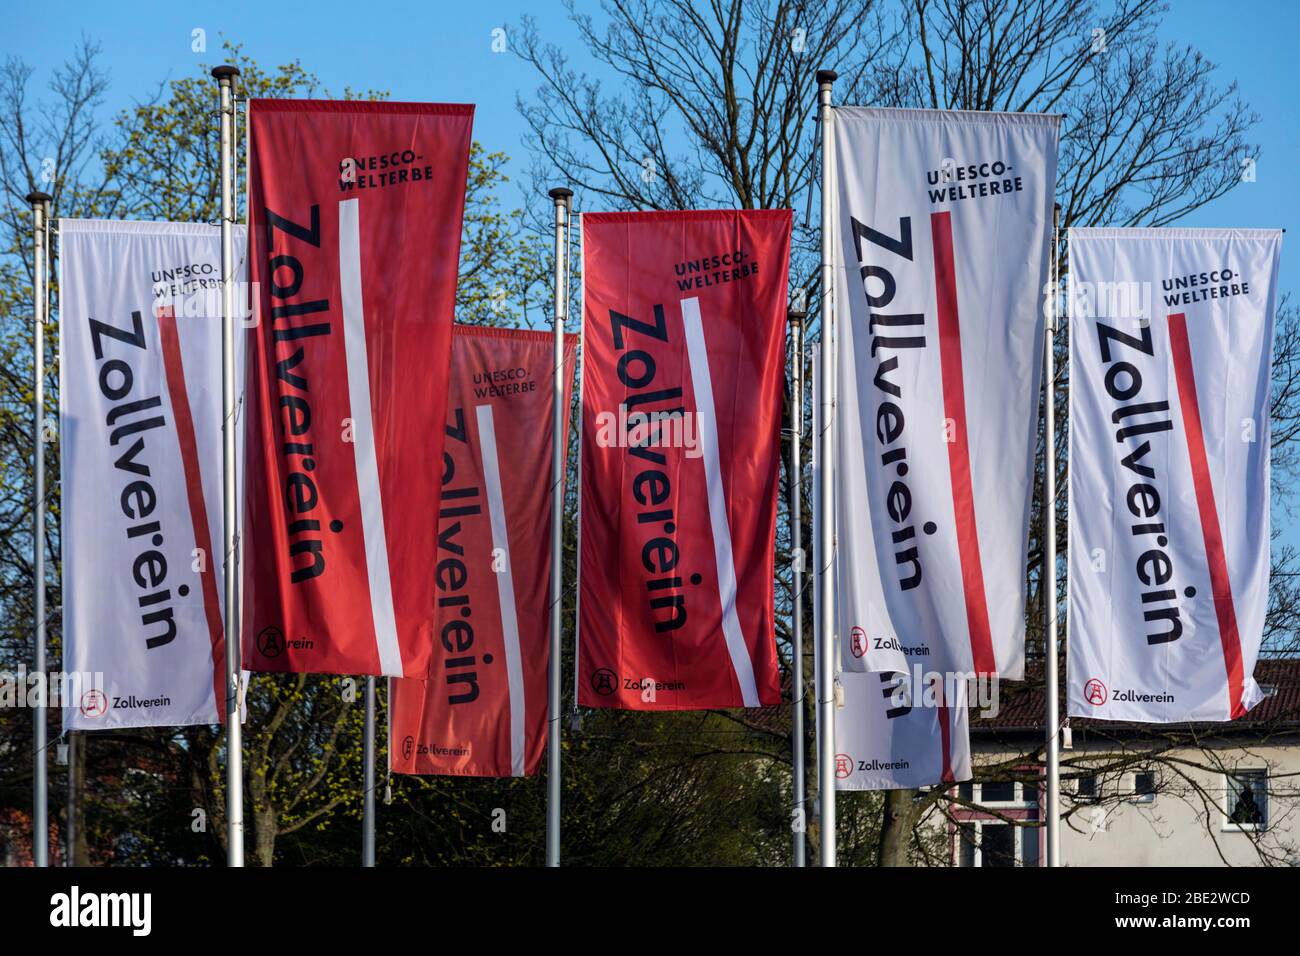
156,796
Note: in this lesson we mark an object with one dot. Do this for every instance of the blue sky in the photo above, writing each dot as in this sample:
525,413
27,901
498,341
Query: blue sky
443,51
434,51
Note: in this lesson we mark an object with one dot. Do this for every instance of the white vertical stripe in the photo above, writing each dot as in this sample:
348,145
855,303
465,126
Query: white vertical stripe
363,436
707,427
577,518
487,438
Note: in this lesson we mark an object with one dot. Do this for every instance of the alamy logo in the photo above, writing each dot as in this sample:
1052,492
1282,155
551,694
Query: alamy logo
624,429
75,908
53,689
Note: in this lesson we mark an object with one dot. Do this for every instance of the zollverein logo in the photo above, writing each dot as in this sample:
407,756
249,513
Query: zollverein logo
843,766
1095,693
93,703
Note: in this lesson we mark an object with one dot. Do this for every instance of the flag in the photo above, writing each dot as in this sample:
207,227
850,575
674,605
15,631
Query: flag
482,712
1171,350
356,212
140,422
898,731
683,365
941,259
894,731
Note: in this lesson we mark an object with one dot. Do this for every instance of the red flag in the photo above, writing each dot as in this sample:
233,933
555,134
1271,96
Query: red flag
356,213
482,713
683,355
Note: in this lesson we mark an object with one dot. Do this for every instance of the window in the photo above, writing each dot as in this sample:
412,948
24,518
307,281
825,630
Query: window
1000,791
1086,788
1246,806
984,843
967,844
1144,786
1029,846
997,844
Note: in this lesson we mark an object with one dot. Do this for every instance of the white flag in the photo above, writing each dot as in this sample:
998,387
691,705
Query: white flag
941,261
895,731
140,427
1171,341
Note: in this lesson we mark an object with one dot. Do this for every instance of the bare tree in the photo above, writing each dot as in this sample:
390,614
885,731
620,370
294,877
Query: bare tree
47,143
157,160
711,105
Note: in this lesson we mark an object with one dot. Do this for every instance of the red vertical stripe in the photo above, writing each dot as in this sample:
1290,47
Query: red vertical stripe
175,370
954,409
945,732
1220,584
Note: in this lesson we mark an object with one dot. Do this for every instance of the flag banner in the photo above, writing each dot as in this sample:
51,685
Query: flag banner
356,212
683,367
941,261
1171,354
482,712
140,416
884,738
896,731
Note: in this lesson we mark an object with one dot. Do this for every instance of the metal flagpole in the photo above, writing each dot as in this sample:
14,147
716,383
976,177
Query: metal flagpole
225,76
40,296
368,755
562,198
826,594
798,757
1049,561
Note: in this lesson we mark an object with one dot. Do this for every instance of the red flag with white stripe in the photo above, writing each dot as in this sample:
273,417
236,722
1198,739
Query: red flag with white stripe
683,358
482,712
356,212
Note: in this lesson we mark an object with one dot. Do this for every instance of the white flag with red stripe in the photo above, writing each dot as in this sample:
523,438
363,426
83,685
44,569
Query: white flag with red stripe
897,731
140,443
1171,342
941,258
894,731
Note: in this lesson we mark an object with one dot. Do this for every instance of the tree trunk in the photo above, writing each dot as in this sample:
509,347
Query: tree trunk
265,831
896,827
79,852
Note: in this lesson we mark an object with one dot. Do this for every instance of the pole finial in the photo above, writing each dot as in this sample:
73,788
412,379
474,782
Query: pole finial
561,194
38,196
826,77
225,72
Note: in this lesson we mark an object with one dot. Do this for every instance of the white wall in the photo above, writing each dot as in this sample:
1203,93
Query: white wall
1184,824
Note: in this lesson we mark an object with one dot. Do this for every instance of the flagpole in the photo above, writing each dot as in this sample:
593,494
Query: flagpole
798,757
368,755
563,199
1053,721
224,76
826,594
40,296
